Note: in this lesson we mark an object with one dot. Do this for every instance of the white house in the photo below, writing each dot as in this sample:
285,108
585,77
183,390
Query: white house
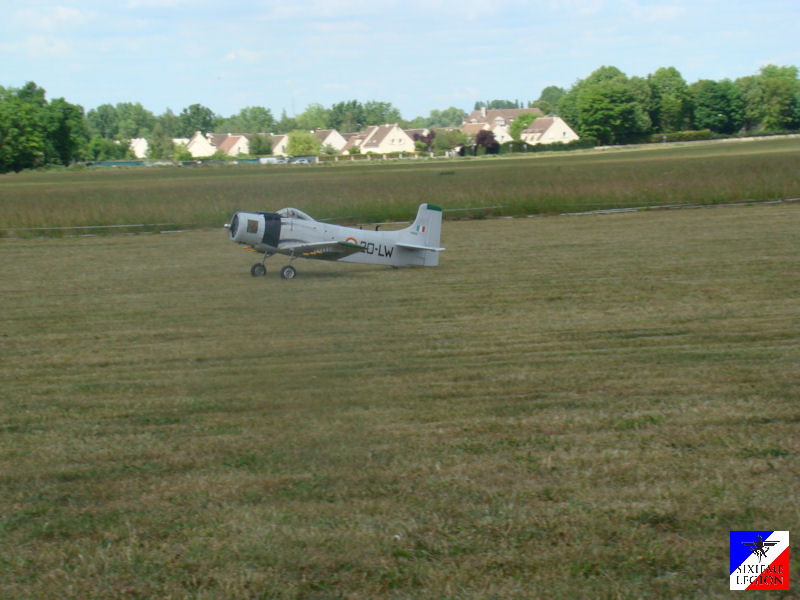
201,145
498,116
279,143
546,130
496,120
233,145
332,138
501,133
140,146
379,139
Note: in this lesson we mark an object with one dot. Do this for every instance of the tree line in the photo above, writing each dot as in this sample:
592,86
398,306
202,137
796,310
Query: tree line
607,105
614,108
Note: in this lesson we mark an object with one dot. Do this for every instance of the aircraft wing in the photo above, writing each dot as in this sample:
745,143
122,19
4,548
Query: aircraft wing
331,250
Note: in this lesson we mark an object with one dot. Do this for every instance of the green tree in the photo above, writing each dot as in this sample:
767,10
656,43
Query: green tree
671,106
329,150
196,118
717,106
771,99
260,144
65,132
551,94
347,116
608,111
22,139
171,124
781,98
32,94
181,153
607,106
34,132
302,143
520,124
448,139
643,96
380,113
101,148
159,144
286,124
493,104
134,120
567,108
544,106
751,91
314,117
103,121
253,119
449,117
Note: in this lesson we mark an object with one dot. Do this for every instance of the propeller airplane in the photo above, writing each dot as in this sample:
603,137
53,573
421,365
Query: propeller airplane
295,234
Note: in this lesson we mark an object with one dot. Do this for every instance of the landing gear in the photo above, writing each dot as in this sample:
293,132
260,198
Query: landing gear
287,272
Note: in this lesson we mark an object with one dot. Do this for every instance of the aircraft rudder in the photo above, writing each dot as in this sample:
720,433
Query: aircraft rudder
428,224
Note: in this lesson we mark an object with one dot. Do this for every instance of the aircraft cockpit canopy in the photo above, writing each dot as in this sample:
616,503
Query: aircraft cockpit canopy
294,213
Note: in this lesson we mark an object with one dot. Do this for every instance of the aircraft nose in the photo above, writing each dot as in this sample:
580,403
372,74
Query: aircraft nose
247,228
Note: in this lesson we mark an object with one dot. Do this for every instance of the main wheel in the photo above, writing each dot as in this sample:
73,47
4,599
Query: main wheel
258,270
288,272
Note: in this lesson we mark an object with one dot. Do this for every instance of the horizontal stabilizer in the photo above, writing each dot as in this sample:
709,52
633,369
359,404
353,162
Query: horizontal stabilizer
415,247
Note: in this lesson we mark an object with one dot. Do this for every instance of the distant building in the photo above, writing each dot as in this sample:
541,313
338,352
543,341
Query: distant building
379,139
140,147
498,116
332,138
547,130
279,143
202,145
496,120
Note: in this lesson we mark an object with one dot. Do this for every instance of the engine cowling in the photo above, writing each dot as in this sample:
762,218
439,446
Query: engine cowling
255,229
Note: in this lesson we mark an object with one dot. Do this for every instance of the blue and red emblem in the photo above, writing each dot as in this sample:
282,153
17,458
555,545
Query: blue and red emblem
759,560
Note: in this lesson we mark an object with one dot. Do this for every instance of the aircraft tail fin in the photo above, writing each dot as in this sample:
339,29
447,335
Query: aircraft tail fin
425,233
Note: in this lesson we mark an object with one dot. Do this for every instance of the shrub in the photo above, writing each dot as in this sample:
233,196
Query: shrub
583,143
682,136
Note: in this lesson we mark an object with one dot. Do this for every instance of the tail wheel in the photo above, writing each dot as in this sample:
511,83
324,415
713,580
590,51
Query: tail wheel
258,270
288,272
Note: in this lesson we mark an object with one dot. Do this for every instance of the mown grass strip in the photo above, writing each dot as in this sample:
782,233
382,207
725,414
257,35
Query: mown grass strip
563,408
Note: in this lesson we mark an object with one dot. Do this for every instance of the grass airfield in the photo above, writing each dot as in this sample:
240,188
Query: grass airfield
567,407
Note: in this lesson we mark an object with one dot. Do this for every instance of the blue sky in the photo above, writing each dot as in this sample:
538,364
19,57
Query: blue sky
418,55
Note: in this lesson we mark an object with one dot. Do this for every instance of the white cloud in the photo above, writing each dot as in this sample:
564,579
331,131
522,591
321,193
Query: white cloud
50,18
137,4
244,56
655,13
581,8
39,47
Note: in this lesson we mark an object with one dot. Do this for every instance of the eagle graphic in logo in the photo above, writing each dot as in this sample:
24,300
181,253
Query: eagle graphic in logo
759,547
